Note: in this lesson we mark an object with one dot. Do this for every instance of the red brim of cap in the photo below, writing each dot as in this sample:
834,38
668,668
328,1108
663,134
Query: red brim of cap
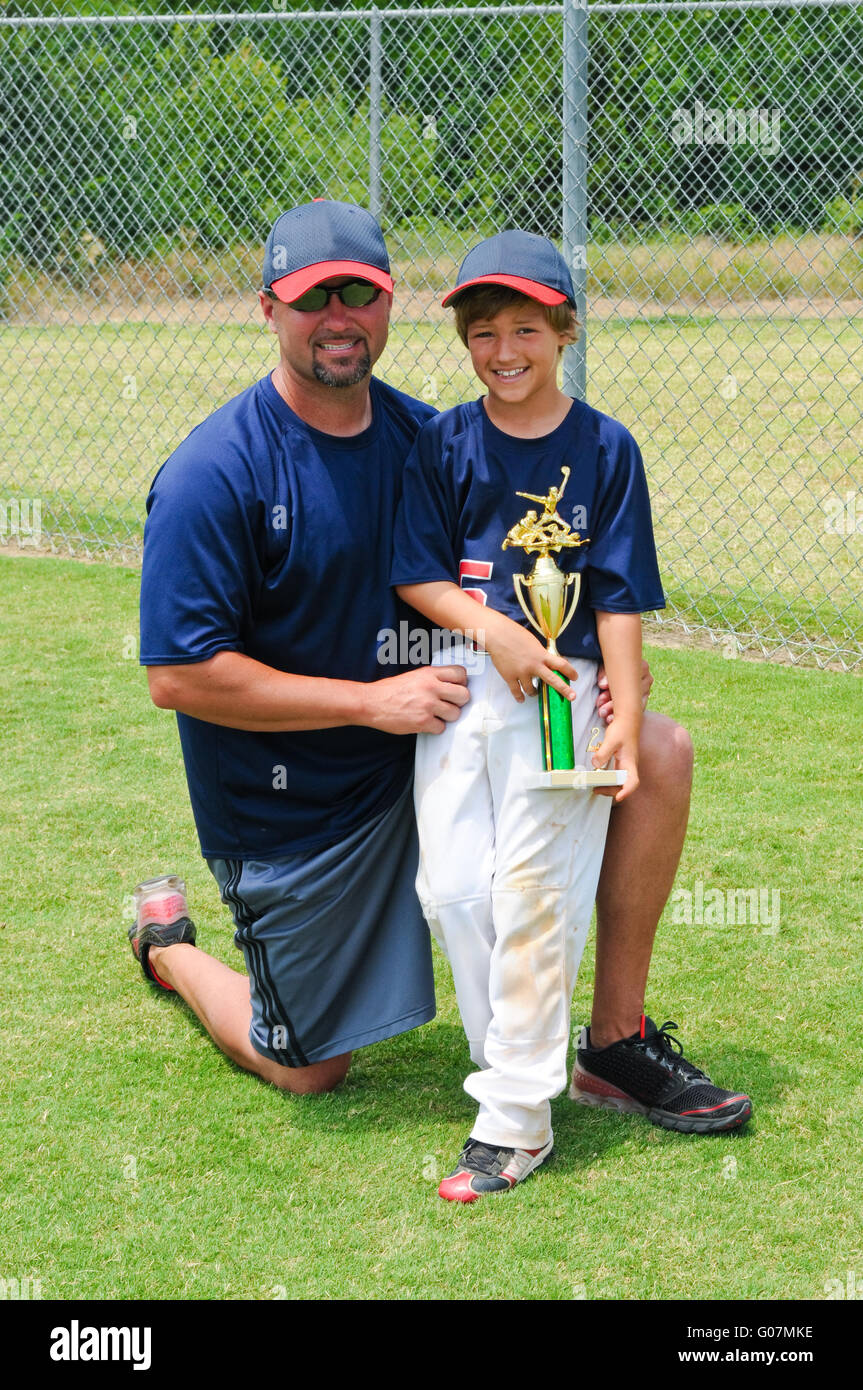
531,288
290,287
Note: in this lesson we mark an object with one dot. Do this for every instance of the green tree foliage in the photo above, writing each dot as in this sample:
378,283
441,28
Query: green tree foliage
136,134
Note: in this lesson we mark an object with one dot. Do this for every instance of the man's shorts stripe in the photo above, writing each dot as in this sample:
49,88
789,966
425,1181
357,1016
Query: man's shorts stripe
244,919
273,1013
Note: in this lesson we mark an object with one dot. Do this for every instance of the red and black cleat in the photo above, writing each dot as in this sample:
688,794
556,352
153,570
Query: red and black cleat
483,1170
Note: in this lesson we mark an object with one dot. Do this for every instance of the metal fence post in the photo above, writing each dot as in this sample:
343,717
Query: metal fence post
575,182
375,87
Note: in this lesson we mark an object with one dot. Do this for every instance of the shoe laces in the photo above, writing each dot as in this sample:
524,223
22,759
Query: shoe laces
482,1158
666,1049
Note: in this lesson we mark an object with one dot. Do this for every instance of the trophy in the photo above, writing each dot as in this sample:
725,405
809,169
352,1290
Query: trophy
552,597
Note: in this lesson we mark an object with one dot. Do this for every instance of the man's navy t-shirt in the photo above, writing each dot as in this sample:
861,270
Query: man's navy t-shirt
266,537
460,500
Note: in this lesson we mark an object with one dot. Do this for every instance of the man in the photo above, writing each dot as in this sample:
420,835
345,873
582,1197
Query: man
264,587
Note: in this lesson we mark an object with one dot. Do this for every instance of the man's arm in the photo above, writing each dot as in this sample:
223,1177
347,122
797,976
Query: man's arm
240,693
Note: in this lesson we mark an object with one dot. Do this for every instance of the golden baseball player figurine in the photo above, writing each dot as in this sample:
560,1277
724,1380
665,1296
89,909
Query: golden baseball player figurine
549,504
546,532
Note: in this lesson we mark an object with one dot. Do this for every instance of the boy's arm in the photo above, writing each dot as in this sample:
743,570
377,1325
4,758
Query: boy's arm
517,654
620,642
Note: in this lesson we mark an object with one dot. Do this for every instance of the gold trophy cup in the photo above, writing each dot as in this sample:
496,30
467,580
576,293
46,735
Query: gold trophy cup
548,599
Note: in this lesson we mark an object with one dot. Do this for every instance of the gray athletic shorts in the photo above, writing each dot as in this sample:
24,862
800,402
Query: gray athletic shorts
336,947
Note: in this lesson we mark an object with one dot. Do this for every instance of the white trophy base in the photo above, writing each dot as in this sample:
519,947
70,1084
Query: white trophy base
574,779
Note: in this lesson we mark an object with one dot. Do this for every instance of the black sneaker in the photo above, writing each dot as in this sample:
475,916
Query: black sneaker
649,1075
483,1170
161,920
142,938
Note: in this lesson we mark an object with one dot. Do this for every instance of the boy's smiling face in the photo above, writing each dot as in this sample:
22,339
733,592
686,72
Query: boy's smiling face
515,354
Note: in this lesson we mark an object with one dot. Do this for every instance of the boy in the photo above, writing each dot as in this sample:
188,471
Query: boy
508,875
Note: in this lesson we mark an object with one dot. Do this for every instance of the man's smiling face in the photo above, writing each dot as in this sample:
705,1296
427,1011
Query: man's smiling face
334,346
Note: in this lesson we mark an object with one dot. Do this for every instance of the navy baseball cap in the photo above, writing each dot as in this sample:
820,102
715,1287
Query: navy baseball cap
310,243
521,260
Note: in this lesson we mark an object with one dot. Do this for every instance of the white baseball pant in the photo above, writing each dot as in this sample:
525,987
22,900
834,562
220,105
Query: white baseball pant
507,881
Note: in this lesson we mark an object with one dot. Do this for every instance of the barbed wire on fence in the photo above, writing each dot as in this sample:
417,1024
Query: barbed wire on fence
701,165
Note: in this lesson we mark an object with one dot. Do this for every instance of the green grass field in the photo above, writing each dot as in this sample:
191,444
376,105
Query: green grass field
138,1163
749,429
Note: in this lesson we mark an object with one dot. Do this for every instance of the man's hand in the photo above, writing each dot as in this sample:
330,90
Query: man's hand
419,702
604,704
520,658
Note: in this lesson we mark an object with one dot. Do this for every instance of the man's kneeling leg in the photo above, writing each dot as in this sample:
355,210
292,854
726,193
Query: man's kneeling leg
221,999
642,852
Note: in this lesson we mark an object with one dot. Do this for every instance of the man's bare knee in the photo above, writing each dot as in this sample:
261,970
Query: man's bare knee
313,1080
665,753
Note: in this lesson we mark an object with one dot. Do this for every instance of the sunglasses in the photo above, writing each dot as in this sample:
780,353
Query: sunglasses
356,294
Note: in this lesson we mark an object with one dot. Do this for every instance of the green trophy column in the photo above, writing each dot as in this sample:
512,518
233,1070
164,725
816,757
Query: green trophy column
555,724
547,598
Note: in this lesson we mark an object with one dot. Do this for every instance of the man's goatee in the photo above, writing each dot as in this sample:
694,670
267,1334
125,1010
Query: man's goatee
328,377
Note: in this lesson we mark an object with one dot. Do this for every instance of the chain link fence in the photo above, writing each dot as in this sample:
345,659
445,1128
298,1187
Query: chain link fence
701,166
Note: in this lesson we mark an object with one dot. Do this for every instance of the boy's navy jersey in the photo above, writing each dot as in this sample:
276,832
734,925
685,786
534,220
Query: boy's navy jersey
269,538
459,501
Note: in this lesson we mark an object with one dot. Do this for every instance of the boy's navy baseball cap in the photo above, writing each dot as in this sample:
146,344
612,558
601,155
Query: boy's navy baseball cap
310,243
521,260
